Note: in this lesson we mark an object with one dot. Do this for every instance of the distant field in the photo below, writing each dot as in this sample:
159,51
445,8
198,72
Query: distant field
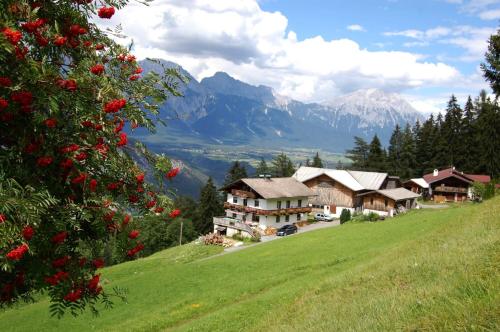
429,270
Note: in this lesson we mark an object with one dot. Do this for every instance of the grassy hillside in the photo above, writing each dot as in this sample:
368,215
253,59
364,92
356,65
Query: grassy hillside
428,270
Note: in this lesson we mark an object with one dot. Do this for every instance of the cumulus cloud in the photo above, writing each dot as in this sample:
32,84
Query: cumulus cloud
355,27
256,46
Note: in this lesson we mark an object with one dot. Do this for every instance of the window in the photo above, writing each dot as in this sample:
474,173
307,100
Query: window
385,201
287,218
256,203
298,217
371,200
234,215
277,219
245,202
235,200
287,204
278,205
299,203
255,217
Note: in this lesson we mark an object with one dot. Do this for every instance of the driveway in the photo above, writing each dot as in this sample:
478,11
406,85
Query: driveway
433,206
307,228
267,238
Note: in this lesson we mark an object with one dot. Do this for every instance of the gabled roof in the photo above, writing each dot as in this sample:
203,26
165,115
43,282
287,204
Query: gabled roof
306,173
420,181
369,180
275,187
479,178
397,194
354,180
446,173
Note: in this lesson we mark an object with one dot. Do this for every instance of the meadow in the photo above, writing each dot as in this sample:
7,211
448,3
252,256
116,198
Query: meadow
430,270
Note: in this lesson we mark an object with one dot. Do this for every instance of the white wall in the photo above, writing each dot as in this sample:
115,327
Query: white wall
380,213
326,210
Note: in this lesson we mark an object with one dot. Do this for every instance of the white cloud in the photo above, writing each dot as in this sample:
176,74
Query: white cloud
256,46
473,40
493,14
355,27
485,9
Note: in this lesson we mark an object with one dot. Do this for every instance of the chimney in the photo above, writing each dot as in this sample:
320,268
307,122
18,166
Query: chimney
436,172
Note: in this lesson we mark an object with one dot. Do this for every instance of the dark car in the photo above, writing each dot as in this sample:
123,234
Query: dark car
286,230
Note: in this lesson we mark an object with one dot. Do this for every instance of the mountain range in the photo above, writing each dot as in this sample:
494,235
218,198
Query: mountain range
222,110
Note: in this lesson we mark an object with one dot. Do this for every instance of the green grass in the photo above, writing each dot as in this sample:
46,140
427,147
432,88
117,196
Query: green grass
429,270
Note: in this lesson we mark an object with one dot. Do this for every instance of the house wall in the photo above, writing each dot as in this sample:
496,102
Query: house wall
413,187
440,196
268,204
330,192
377,203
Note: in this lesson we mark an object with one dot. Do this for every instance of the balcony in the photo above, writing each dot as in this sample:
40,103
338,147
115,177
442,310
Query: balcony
261,212
450,189
242,193
232,223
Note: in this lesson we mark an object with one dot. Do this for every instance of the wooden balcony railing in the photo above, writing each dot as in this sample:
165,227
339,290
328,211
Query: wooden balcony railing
450,189
262,212
242,193
233,223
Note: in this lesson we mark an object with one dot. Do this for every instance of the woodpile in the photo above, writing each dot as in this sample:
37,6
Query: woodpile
270,231
213,239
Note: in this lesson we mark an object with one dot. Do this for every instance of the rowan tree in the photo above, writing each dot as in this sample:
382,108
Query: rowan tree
67,92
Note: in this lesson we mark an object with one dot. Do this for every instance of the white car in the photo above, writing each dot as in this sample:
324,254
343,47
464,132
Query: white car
323,217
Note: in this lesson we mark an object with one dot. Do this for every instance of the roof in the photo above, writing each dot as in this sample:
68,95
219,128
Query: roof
276,187
446,173
479,178
397,194
354,180
420,181
306,173
369,180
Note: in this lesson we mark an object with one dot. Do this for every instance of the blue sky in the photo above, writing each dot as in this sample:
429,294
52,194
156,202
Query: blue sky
316,50
330,19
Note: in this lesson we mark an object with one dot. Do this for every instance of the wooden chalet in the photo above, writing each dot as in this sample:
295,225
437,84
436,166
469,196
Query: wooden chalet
388,202
451,185
337,190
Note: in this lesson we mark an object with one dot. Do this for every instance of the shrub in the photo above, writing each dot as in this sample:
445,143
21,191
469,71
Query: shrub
478,191
345,216
372,216
255,236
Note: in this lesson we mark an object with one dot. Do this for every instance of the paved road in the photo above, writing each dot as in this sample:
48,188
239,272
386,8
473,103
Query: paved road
267,238
433,206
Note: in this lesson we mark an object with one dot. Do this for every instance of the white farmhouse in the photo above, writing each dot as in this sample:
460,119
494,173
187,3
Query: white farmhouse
260,203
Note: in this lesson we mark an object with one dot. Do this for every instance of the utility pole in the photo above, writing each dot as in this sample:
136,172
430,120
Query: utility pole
180,235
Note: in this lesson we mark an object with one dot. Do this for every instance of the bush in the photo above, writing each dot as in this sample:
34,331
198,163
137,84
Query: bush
372,216
238,237
345,216
255,236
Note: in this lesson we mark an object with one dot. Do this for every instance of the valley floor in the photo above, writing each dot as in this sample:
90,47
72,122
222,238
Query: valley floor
429,270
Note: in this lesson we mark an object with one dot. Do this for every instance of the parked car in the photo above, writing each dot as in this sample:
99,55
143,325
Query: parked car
286,230
323,217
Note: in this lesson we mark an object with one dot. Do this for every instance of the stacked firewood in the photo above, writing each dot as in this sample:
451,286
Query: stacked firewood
213,239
